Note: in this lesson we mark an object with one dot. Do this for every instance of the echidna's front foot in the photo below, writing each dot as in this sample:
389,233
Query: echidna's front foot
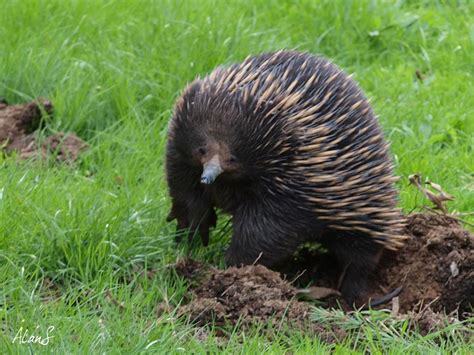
193,220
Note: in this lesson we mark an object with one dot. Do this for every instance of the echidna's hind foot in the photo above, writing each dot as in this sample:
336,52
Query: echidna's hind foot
358,256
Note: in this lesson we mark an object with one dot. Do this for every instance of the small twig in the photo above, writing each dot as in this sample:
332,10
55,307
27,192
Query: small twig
463,214
225,291
427,306
258,258
298,276
341,277
449,216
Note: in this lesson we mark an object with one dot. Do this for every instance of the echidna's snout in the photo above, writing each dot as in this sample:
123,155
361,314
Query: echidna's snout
211,170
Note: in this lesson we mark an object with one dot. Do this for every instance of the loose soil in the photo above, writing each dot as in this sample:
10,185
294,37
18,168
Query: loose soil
17,126
435,268
252,293
249,295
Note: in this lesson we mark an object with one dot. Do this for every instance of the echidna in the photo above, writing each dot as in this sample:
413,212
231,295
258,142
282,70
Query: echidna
288,145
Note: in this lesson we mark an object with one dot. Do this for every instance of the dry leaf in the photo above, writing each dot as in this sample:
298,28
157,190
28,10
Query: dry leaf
438,199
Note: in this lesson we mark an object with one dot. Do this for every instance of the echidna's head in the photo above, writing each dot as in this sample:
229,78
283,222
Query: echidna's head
208,136
211,153
216,158
227,136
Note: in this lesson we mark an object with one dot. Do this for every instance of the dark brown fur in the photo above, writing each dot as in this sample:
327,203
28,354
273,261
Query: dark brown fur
303,159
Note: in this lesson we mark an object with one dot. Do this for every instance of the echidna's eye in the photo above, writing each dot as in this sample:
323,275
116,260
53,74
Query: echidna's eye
232,159
202,151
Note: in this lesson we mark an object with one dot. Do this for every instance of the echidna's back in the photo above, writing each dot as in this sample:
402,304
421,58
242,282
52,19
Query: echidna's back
308,124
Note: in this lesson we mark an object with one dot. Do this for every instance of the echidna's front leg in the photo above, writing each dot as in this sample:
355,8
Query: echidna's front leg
193,218
259,239
191,205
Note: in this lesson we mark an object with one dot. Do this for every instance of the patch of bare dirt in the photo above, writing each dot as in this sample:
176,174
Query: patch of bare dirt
17,126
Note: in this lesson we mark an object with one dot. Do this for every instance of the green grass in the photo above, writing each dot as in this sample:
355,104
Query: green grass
113,70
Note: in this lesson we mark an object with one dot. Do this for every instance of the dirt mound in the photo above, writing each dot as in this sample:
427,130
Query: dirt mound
245,296
251,292
65,147
17,122
435,267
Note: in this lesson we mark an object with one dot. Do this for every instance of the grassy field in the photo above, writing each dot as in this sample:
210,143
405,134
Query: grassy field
74,242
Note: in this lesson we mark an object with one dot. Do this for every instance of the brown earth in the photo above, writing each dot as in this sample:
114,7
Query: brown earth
252,293
246,296
435,268
17,126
